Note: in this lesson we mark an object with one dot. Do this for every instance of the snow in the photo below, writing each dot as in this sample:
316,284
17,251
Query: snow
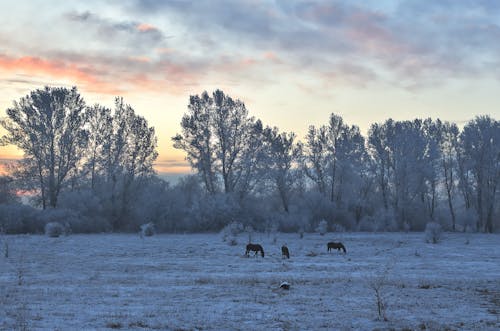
199,282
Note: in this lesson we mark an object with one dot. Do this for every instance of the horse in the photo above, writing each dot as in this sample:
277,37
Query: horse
254,248
285,252
339,246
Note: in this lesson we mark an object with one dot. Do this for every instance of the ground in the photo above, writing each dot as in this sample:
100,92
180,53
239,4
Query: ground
200,282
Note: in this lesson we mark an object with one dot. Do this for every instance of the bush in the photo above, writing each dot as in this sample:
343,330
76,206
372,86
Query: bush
19,218
249,230
54,229
382,220
322,227
338,228
231,231
433,232
214,212
83,211
148,229
367,224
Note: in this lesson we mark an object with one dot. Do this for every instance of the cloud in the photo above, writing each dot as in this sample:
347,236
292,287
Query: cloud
172,167
419,42
122,46
81,74
144,27
109,31
101,76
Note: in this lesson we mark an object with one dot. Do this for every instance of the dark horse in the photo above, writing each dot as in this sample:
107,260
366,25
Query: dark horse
285,252
338,246
254,248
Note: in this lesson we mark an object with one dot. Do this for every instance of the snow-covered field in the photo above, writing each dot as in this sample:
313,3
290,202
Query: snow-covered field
199,282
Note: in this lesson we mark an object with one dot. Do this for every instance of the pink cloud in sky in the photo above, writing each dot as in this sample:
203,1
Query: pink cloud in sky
272,57
58,69
143,59
144,27
141,74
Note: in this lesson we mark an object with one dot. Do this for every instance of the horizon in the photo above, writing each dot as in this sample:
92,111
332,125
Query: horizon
291,63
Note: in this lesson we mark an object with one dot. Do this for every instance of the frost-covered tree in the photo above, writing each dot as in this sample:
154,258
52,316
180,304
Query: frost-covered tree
404,166
221,142
48,126
332,153
128,158
281,154
378,140
448,142
480,145
430,165
100,128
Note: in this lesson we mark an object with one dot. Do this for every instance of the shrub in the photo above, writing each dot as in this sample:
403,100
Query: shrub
433,232
367,224
54,229
249,230
83,211
322,227
382,220
19,218
338,228
232,230
148,229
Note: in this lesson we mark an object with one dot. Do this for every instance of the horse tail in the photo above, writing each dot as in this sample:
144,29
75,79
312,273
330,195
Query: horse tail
262,251
343,248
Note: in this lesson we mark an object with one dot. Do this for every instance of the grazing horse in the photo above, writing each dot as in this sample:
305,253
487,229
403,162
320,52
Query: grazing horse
339,246
254,248
285,252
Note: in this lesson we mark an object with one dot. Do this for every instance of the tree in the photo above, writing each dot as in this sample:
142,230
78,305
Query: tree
7,191
331,154
377,144
100,128
399,150
48,126
281,153
480,143
221,142
128,147
430,164
448,141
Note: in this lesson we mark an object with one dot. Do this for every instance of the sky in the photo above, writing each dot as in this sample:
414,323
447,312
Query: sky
292,62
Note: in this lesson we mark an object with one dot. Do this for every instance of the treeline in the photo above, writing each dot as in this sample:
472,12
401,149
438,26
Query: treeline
91,168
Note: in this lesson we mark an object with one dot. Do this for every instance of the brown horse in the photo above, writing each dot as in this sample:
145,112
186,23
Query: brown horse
285,252
254,248
338,246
